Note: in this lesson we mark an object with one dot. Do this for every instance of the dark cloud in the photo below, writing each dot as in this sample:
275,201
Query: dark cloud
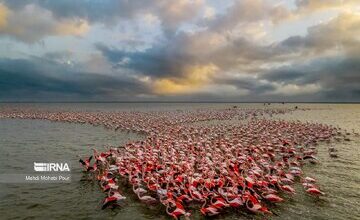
337,34
158,61
285,74
170,13
294,42
94,11
58,56
23,80
242,52
338,77
251,84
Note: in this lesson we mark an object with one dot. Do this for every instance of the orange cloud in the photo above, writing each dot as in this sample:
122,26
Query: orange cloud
195,78
4,11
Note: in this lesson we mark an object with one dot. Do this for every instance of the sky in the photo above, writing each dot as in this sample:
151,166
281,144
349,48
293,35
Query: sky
180,50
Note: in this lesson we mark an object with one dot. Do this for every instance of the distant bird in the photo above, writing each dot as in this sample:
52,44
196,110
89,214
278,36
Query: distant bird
288,189
273,198
314,191
332,149
333,154
147,199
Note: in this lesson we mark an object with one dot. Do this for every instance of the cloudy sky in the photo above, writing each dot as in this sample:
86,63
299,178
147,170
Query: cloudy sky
180,50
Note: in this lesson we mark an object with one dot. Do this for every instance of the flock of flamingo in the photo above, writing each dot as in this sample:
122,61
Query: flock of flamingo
245,160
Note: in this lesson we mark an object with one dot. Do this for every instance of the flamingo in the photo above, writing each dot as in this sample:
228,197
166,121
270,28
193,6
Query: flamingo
288,189
110,185
273,198
113,198
235,202
209,211
219,203
86,164
179,211
139,190
309,180
314,191
183,198
254,205
147,199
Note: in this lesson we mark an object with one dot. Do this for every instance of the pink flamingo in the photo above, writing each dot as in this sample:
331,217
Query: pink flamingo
209,211
113,198
179,211
314,191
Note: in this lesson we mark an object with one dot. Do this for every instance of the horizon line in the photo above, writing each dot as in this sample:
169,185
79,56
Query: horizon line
249,102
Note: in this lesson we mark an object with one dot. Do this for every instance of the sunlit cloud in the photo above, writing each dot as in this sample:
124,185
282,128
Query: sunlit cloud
194,80
33,23
4,11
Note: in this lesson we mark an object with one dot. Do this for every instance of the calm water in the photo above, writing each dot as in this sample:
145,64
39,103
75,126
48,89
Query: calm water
24,141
